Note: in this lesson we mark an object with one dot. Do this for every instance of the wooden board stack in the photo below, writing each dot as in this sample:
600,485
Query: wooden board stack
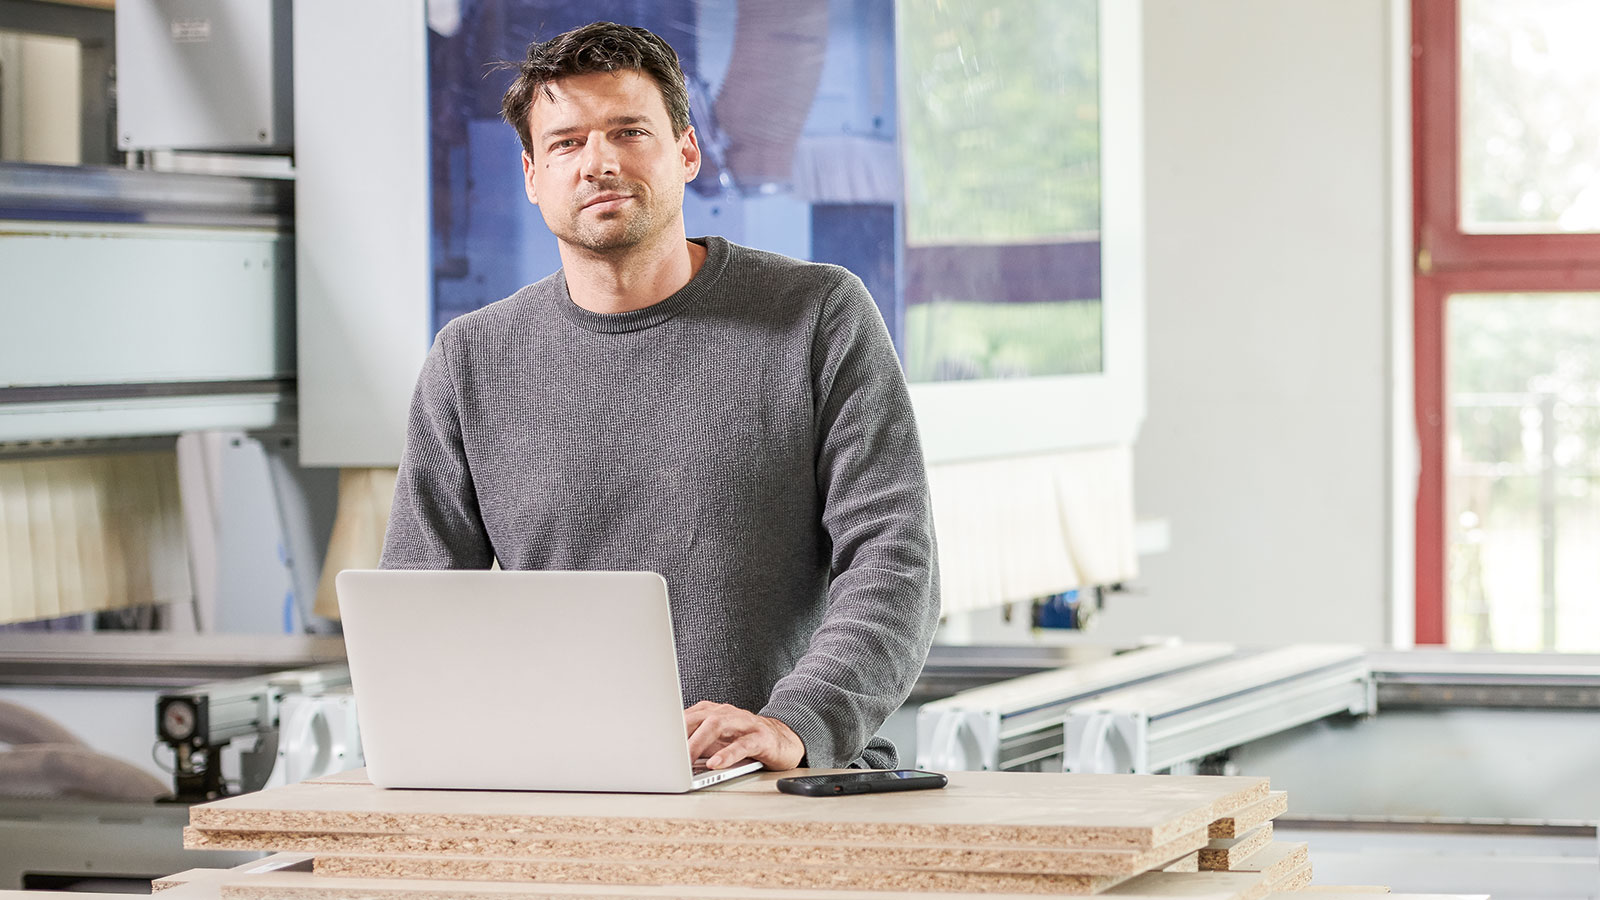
1243,843
998,836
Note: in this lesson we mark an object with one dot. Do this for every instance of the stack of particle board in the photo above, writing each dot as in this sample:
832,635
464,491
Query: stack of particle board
206,884
1243,843
994,835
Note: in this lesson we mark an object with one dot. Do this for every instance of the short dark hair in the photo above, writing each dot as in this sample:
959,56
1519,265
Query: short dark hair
597,47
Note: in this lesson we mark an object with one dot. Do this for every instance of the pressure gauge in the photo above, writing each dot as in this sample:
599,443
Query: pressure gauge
178,720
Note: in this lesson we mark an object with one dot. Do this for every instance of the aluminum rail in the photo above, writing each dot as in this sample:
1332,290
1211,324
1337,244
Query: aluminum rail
30,192
154,660
953,668
1425,679
1017,724
1181,719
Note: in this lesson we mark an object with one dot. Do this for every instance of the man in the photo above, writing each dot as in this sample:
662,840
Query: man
732,419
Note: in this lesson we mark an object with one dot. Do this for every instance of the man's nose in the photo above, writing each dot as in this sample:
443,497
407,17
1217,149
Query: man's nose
600,157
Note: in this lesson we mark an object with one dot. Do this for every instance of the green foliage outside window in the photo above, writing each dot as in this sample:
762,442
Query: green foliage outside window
1000,117
1000,108
1524,463
1530,116
1001,340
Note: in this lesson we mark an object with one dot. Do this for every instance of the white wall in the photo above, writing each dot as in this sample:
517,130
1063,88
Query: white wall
1268,137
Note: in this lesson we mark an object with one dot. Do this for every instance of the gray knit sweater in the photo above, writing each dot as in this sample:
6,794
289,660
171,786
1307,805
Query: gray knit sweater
750,438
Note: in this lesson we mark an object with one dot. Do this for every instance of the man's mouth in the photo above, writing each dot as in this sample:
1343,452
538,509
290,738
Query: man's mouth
606,202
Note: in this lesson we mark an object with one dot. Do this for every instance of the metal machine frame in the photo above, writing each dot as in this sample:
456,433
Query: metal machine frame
1016,724
1145,711
198,722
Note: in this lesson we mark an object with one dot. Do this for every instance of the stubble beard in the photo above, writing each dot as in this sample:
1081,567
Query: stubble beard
617,231
608,235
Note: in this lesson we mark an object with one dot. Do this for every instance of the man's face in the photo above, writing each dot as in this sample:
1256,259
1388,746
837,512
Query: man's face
606,171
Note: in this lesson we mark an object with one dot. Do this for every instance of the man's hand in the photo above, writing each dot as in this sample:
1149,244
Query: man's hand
723,735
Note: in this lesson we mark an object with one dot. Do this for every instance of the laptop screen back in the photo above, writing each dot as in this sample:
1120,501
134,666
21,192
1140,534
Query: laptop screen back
515,680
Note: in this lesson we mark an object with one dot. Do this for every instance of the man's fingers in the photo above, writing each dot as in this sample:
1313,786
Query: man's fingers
694,715
705,710
699,741
751,745
723,735
710,736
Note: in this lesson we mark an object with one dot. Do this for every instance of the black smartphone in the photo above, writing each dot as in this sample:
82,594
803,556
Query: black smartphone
861,782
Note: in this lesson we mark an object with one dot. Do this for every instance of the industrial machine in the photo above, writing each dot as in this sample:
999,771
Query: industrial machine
302,720
104,689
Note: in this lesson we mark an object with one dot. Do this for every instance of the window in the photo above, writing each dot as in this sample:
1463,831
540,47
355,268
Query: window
1002,199
1506,123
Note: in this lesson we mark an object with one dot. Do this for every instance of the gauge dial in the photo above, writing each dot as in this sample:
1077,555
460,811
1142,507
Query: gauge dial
177,721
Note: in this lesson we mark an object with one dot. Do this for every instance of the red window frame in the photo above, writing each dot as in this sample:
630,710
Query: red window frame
1447,261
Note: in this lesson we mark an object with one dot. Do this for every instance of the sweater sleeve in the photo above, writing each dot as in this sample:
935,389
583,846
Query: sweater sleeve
434,522
883,595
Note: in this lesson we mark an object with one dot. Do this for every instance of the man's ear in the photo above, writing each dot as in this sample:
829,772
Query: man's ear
691,155
527,179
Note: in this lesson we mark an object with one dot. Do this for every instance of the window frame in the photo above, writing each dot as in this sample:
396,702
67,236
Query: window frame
1448,261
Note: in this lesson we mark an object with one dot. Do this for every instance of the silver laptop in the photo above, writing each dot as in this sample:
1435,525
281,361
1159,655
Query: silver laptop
543,681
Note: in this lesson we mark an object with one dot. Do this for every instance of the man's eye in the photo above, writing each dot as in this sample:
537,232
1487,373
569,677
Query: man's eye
632,132
562,145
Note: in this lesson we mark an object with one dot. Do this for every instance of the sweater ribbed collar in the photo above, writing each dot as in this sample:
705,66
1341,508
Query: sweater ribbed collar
639,319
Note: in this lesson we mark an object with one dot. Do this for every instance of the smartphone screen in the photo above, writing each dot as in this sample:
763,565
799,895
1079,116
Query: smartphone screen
860,782
872,777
